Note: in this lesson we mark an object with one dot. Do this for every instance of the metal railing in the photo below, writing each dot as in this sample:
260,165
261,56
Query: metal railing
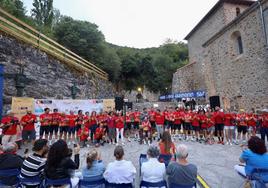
22,31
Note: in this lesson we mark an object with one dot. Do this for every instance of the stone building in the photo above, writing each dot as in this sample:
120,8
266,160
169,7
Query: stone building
228,55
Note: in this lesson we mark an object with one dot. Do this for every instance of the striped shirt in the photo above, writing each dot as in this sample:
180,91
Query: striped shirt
33,166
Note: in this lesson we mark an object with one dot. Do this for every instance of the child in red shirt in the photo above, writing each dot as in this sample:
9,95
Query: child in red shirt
83,135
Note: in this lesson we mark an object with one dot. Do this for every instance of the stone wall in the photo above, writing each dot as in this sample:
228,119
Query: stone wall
240,80
148,105
48,77
146,94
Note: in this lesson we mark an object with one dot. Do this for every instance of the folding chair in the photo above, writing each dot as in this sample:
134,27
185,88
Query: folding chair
36,180
114,185
143,158
156,184
57,182
98,183
173,185
260,176
164,159
8,174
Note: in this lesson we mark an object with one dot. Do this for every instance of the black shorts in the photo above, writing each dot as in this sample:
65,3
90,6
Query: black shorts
78,127
243,129
28,135
219,127
187,126
128,126
71,130
44,129
136,125
64,129
146,133
175,126
153,124
53,128
196,128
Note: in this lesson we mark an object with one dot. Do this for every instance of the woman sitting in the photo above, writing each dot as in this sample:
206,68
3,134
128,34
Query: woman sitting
120,171
95,167
254,157
152,170
59,164
181,172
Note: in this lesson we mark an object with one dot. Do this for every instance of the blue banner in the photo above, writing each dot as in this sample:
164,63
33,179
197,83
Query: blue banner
191,94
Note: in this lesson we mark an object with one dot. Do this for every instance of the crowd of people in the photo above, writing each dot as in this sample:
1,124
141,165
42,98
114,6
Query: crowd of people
202,125
55,162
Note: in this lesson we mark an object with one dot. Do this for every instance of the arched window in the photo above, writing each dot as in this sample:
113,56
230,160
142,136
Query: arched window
237,43
237,11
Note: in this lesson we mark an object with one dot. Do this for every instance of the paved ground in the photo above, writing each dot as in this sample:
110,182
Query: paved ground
215,162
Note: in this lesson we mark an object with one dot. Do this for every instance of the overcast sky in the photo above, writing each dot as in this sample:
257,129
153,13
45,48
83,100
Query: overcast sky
137,23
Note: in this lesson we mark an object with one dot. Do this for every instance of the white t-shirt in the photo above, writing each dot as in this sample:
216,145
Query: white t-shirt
120,172
153,171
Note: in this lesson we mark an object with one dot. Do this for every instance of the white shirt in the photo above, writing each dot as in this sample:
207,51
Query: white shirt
153,171
120,172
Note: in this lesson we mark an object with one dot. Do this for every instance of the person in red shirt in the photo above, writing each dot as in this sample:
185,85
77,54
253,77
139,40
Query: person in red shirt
242,127
187,127
28,132
159,120
210,126
203,124
195,125
83,135
64,126
9,125
45,120
72,120
79,121
93,124
111,127
166,146
87,120
55,122
252,123
152,113
100,135
264,125
229,121
146,130
128,124
177,121
219,124
137,120
119,124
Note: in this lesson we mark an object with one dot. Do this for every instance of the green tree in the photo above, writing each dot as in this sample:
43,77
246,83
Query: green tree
43,12
14,7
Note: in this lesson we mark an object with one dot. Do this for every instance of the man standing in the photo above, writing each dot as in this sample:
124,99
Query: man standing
9,125
219,124
28,131
55,122
45,120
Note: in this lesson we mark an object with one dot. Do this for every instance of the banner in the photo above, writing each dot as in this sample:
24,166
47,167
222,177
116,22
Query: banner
108,105
68,105
20,105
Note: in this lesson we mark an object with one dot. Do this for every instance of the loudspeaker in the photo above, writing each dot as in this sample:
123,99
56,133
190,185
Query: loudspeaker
119,102
214,101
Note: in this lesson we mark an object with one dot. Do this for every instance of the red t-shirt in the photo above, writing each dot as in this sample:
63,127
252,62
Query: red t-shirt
99,133
27,122
128,117
146,125
228,119
159,119
203,121
55,118
177,117
72,119
93,120
87,121
111,121
187,117
119,122
252,120
79,119
137,116
210,120
264,119
171,151
219,117
12,122
195,120
152,116
242,119
83,134
45,119
64,120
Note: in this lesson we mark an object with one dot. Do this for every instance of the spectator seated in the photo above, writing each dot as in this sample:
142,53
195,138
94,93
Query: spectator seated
29,181
121,185
58,182
96,182
7,174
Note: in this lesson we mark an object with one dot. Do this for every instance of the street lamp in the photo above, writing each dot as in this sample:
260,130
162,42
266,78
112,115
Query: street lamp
139,89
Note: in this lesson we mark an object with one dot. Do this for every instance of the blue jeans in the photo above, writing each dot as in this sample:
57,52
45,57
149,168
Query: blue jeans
264,132
160,130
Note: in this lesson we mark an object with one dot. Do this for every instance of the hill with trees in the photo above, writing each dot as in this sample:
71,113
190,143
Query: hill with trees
128,68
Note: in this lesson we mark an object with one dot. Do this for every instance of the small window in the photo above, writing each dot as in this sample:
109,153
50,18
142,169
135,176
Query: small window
237,44
238,11
240,45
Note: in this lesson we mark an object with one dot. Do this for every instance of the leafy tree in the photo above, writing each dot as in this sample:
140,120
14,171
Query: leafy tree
43,12
14,7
